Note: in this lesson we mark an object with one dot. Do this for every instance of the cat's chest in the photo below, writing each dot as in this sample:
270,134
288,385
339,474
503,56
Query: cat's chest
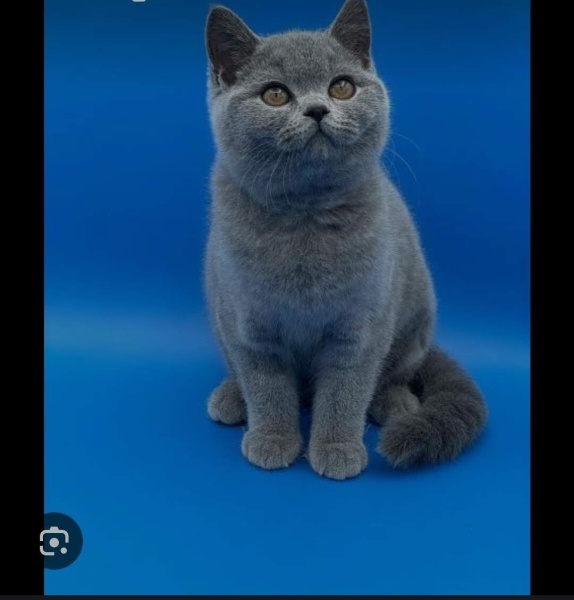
310,261
303,254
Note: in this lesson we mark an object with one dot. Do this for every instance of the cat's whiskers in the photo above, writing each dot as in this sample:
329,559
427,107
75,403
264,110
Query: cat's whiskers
271,178
404,161
254,164
392,165
255,155
262,169
389,163
287,167
253,151
408,140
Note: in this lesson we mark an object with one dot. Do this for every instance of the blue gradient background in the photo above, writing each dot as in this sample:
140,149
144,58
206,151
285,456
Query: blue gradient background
166,502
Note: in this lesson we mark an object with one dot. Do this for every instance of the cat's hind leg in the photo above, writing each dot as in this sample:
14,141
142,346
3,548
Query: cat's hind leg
226,404
392,401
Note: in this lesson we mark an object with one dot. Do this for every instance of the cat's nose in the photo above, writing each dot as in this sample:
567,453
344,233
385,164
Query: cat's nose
317,112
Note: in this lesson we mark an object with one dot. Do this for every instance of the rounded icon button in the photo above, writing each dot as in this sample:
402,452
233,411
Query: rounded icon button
61,541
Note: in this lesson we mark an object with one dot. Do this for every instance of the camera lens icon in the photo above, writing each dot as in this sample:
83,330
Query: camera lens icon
54,537
61,541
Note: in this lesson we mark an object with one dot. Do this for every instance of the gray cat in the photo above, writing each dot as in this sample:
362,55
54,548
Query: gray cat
316,283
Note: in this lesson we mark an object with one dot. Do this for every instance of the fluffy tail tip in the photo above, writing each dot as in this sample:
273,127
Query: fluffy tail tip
432,435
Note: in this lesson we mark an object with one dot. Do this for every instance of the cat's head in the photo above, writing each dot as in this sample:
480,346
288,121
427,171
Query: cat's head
298,110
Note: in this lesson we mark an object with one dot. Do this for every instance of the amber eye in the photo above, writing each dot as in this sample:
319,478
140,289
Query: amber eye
275,96
342,89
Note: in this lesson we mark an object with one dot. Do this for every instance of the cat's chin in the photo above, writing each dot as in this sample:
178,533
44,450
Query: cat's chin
320,145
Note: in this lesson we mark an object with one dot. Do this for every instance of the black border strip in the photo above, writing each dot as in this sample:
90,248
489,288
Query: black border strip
551,424
34,580
22,475
536,578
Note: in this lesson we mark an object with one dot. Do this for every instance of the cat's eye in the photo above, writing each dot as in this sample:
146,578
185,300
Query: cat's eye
275,96
342,89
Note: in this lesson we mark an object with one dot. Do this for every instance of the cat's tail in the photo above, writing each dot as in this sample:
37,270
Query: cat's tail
450,415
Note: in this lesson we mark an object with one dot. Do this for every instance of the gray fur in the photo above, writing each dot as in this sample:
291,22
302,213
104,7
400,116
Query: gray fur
315,279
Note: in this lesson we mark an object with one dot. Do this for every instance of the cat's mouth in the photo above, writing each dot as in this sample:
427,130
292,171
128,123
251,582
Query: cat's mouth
320,136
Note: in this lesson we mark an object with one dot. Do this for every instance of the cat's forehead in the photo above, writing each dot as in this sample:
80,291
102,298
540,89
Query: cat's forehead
300,57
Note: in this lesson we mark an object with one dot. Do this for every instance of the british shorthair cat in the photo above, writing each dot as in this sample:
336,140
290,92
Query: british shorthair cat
316,283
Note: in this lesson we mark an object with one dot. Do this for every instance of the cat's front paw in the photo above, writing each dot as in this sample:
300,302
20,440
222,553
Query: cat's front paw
338,460
271,450
226,404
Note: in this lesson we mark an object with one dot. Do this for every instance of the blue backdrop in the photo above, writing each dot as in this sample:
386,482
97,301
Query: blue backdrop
165,500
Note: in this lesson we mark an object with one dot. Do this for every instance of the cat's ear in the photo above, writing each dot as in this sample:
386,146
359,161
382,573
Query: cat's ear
230,43
352,29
